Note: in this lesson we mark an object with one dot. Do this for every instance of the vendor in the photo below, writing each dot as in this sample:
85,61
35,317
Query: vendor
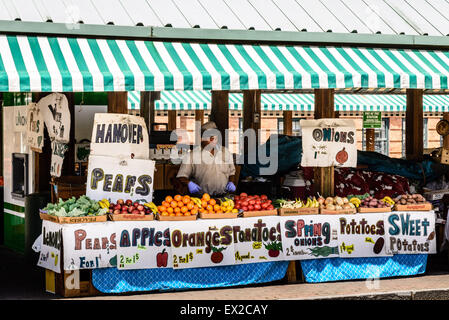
209,169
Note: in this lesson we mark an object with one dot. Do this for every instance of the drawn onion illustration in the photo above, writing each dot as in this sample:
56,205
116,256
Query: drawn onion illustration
342,156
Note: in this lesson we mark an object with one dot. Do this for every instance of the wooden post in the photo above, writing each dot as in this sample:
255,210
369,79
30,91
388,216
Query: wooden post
147,100
370,139
446,138
118,102
68,166
251,114
324,108
414,144
219,113
199,118
171,120
288,123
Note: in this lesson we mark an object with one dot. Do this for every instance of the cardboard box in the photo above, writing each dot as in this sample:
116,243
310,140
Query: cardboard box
131,217
218,215
346,211
86,219
297,211
176,218
373,210
413,207
247,214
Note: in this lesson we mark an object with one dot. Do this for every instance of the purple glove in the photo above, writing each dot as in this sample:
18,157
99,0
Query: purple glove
193,187
230,187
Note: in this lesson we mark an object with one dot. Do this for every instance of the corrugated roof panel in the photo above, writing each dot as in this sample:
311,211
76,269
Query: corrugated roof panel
222,14
297,15
345,16
113,11
4,12
390,16
322,16
413,17
85,11
56,11
26,10
168,13
431,15
247,14
195,14
141,12
368,16
266,8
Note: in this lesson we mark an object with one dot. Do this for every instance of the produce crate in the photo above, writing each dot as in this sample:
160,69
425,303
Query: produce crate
247,214
373,210
131,217
87,219
297,211
413,207
218,215
346,211
69,284
176,218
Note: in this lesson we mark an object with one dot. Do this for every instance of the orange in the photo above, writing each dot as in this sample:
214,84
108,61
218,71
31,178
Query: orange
166,204
168,199
173,204
206,197
161,208
195,207
194,211
217,207
187,213
184,209
203,204
219,211
209,208
177,210
165,213
171,214
212,202
190,206
186,199
178,197
170,210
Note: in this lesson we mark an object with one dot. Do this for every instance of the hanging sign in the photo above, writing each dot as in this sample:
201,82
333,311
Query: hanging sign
143,244
50,250
410,232
58,149
116,178
120,135
202,243
20,118
309,237
328,142
362,235
35,128
89,246
372,120
257,239
56,113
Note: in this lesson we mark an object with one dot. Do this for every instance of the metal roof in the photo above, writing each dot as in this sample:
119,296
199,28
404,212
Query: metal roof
392,17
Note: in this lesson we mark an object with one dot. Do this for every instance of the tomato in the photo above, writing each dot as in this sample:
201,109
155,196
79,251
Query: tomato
252,202
257,207
264,205
269,201
237,206
270,207
245,203
250,207
264,197
244,208
243,194
236,198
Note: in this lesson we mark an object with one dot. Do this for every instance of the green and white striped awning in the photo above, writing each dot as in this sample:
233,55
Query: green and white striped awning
133,100
201,100
30,63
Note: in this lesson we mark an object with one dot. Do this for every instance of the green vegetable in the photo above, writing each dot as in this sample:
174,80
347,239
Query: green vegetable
73,207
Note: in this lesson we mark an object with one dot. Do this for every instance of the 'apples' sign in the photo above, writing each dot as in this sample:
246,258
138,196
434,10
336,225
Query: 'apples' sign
120,135
117,178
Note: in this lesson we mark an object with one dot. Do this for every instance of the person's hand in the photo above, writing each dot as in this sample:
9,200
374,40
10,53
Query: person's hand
230,187
193,187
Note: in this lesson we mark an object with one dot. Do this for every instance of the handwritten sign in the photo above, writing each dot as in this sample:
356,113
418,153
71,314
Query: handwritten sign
202,243
58,149
309,237
143,244
120,135
257,239
20,118
328,142
362,235
89,246
115,178
50,254
56,113
410,232
35,128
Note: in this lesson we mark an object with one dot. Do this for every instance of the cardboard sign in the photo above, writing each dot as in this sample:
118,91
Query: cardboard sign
20,118
58,149
120,135
35,128
50,250
372,120
115,178
410,232
328,142
309,237
202,243
56,113
362,235
257,239
89,246
143,244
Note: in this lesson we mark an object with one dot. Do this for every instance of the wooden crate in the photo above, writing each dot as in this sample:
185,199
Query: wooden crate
131,217
86,219
346,211
218,215
176,218
247,214
298,211
373,210
413,207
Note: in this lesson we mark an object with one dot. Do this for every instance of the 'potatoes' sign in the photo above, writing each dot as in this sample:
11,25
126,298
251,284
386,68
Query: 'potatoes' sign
119,135
328,142
116,178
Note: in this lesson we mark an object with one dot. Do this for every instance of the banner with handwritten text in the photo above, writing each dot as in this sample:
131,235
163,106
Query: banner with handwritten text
50,254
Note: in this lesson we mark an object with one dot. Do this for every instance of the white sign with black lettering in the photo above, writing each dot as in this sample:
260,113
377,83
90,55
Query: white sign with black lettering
20,118
35,128
56,113
50,254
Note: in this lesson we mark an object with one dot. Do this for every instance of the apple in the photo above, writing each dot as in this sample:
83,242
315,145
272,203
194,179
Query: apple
117,207
135,211
120,201
250,207
125,208
129,202
142,213
111,210
136,204
130,209
116,211
140,208
257,207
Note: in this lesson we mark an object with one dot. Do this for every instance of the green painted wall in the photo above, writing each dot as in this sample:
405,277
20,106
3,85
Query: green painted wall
14,232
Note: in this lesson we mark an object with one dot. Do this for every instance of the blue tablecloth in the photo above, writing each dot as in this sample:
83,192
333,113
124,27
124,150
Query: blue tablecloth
112,280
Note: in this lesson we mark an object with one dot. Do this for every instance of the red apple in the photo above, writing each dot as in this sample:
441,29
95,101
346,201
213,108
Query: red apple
135,211
125,208
136,204
117,207
140,207
130,209
116,211
120,201
142,213
129,202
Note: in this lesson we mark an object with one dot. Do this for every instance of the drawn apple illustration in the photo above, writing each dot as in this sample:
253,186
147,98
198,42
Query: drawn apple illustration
274,248
342,156
216,255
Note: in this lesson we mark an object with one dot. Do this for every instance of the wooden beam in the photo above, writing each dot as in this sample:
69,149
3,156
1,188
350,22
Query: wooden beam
446,138
219,113
324,108
251,115
68,166
370,139
199,120
147,100
171,120
414,144
288,123
118,102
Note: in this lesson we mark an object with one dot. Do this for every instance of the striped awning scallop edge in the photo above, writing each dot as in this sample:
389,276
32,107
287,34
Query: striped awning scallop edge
36,64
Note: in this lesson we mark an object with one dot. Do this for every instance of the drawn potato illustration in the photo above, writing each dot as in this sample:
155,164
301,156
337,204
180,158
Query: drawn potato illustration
378,245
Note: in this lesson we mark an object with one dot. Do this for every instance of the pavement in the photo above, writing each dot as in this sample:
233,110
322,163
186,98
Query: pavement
20,279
